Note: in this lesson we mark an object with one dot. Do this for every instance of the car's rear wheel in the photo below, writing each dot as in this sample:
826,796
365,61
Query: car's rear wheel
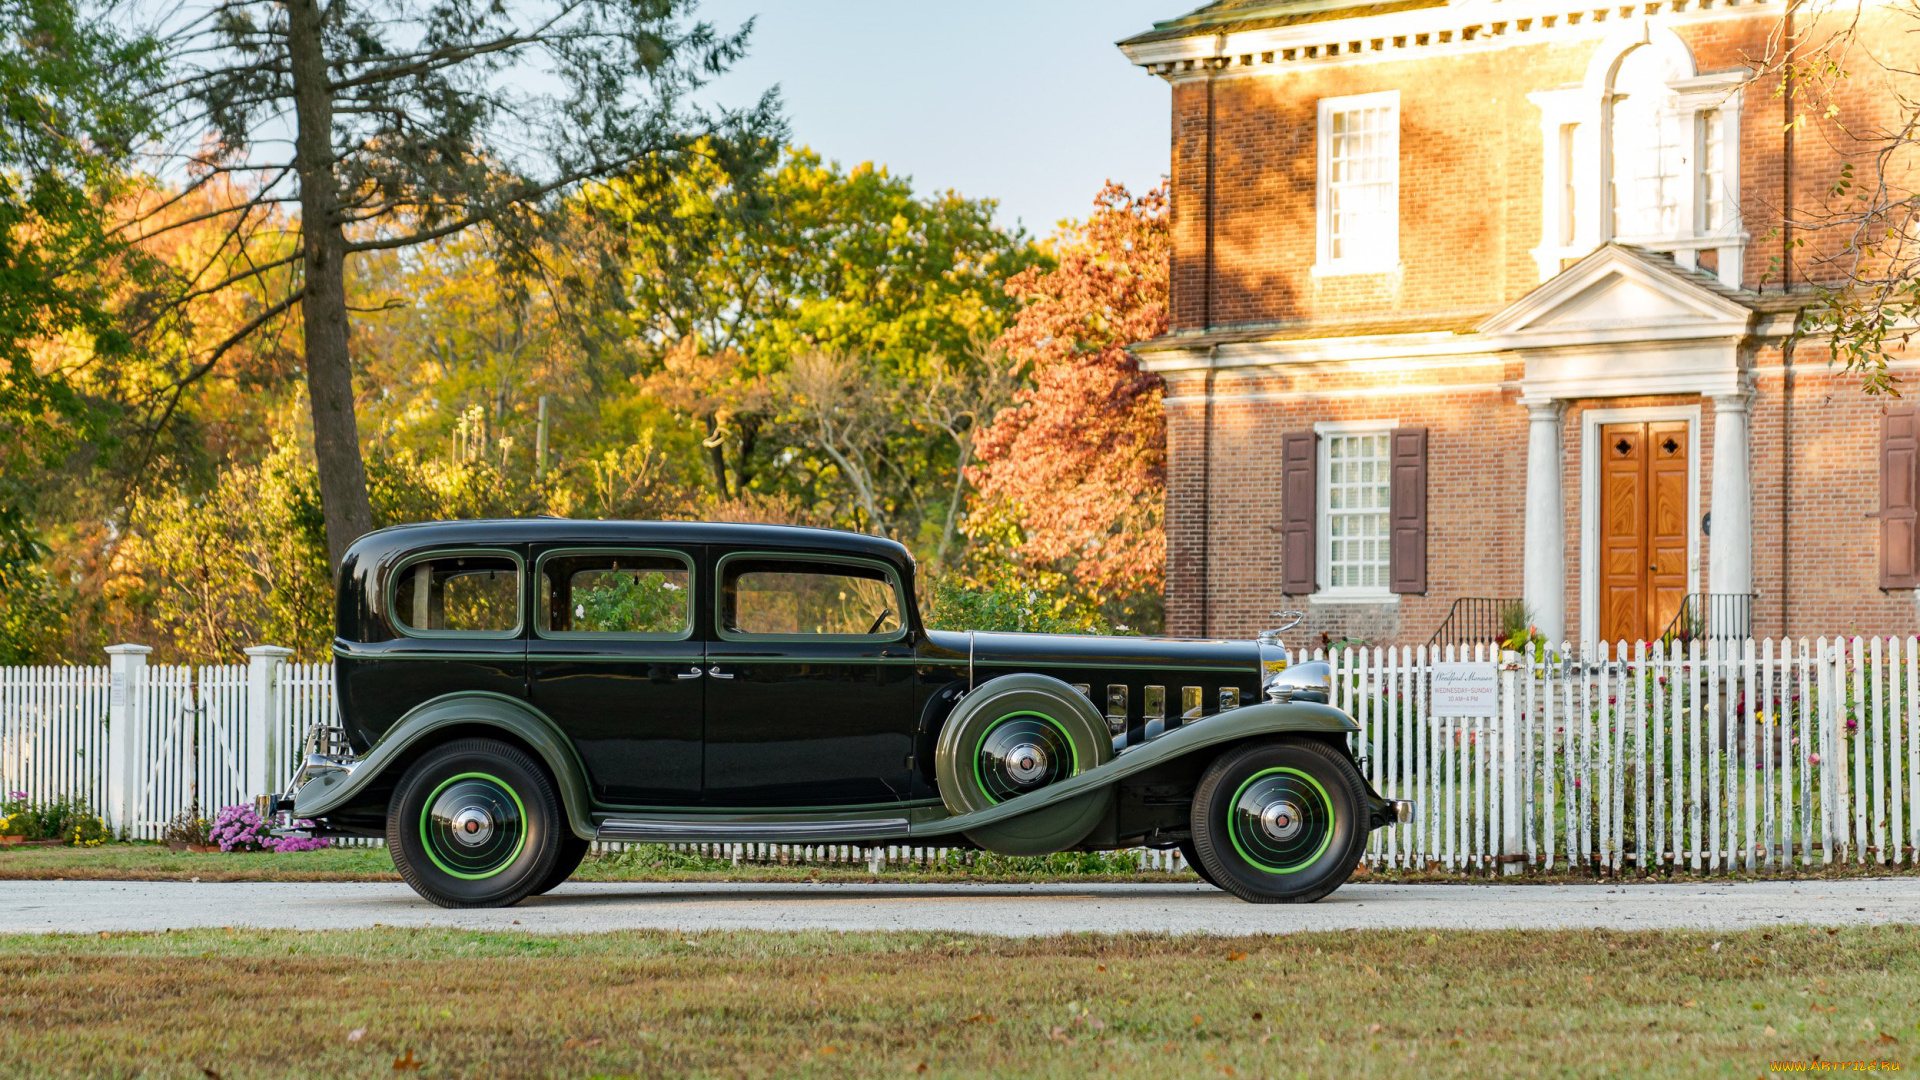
572,851
1192,856
475,823
1282,821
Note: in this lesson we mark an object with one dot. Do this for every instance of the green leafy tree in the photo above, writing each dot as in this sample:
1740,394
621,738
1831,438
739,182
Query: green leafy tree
70,118
821,326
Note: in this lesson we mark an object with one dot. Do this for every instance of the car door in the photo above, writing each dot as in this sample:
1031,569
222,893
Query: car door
809,682
616,662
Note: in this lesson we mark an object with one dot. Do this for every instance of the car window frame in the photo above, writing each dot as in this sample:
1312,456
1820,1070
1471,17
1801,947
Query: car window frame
693,596
721,633
402,628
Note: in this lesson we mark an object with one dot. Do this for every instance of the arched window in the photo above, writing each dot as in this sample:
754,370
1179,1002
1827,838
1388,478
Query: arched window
1647,159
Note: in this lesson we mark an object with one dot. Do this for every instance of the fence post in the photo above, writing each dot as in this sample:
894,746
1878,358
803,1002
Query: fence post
266,758
1512,847
126,701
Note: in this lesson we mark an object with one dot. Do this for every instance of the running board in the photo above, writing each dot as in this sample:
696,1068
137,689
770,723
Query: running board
770,832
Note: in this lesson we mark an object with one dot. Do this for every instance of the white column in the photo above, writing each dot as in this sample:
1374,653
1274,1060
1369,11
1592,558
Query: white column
126,706
1730,544
1545,580
267,762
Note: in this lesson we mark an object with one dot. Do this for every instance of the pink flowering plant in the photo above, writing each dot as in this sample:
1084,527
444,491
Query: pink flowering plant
241,828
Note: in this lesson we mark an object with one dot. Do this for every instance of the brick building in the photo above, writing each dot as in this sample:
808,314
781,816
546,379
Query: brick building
1472,299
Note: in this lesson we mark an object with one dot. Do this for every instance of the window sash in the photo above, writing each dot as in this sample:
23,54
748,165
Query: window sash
1357,511
1359,179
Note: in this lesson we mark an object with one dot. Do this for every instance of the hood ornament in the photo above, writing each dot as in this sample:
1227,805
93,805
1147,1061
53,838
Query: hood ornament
1272,637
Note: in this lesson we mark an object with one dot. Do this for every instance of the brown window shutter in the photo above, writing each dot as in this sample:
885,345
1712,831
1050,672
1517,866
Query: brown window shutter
1899,499
1299,512
1407,566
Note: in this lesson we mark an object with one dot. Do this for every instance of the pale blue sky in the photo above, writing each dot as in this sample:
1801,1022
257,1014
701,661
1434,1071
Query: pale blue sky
1028,103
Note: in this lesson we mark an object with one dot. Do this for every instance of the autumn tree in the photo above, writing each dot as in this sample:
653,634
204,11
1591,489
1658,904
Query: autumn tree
389,125
1076,467
822,325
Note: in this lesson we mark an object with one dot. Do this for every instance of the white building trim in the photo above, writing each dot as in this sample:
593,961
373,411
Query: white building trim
1467,27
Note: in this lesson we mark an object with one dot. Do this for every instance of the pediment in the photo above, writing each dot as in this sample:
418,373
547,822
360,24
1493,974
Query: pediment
1616,293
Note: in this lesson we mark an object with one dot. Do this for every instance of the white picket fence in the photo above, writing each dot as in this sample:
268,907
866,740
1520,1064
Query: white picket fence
1702,758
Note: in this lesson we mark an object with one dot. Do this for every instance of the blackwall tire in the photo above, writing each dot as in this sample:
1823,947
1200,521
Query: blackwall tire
1282,821
572,851
1192,855
1013,736
475,823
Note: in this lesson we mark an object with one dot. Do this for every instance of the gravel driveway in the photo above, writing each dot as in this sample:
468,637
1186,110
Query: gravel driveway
92,906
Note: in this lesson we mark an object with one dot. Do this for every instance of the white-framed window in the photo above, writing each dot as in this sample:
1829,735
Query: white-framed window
1358,187
1355,512
1644,151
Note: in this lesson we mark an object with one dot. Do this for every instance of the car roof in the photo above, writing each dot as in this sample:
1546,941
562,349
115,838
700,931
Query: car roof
544,530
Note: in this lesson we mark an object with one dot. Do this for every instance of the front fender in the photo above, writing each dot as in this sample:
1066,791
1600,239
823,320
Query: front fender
331,791
1263,718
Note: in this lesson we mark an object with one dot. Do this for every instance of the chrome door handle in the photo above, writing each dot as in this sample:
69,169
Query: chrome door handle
717,673
693,674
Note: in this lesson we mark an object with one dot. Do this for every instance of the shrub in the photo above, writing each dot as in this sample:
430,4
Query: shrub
241,828
66,819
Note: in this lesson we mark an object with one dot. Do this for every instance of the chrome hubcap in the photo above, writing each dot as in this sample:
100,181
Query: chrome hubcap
1280,820
472,826
1027,762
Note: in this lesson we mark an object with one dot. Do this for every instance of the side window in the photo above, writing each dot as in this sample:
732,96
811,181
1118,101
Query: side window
615,592
790,597
459,594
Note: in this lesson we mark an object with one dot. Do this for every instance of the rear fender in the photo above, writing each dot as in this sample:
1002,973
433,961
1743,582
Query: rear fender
436,720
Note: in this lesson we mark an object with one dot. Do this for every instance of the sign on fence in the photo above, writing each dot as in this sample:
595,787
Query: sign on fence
1463,688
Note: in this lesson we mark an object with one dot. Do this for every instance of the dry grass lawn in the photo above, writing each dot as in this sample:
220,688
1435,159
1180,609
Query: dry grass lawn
384,1002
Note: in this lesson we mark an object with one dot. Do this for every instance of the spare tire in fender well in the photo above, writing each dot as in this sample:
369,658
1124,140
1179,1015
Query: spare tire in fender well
1056,733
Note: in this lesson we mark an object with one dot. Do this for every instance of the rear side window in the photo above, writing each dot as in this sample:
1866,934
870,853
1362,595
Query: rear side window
635,594
477,593
789,597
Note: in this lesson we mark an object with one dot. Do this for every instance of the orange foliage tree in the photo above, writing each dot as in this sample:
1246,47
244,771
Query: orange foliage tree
1075,469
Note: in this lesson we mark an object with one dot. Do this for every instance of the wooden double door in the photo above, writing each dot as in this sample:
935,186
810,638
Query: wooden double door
1644,470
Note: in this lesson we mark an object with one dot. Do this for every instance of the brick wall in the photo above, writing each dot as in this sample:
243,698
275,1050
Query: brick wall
1471,173
1470,216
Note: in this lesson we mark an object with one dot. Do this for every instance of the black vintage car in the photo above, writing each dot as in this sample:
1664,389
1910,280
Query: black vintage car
510,691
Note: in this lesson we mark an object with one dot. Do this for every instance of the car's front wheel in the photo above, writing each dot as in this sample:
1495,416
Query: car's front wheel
573,851
475,823
1282,821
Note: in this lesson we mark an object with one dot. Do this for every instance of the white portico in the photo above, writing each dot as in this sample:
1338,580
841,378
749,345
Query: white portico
1625,323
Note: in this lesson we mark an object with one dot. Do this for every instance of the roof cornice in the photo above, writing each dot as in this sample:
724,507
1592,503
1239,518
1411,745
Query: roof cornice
1469,26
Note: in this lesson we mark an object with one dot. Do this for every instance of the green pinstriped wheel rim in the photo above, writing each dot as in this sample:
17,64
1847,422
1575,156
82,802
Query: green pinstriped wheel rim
473,826
1281,820
1022,751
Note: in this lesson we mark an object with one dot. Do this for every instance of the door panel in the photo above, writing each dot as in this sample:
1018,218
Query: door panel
1623,553
1667,524
809,684
1643,528
620,670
